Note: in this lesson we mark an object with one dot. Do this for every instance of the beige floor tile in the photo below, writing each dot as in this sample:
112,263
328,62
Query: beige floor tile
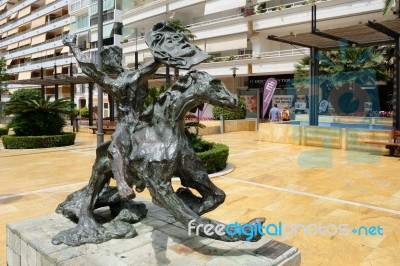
276,181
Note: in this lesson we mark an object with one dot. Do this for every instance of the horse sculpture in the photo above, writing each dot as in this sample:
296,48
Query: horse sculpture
160,150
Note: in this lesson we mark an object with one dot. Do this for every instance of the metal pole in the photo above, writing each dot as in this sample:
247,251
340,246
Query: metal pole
42,88
167,77
91,85
314,92
396,87
100,133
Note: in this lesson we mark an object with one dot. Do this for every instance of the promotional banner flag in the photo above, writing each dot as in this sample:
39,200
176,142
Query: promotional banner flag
269,89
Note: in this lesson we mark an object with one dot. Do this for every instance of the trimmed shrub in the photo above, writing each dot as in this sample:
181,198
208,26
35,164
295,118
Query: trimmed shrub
228,114
33,142
25,94
3,131
37,124
215,158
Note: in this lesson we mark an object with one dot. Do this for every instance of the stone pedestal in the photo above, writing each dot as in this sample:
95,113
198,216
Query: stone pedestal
161,241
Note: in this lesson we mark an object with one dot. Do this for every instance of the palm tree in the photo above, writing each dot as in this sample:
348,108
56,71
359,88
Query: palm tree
178,25
37,116
341,64
387,5
346,71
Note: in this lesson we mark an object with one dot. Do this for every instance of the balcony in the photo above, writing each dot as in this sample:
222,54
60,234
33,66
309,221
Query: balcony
24,51
53,24
300,12
45,63
44,10
152,9
16,8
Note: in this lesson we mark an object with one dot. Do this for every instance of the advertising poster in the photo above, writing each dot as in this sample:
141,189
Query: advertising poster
251,98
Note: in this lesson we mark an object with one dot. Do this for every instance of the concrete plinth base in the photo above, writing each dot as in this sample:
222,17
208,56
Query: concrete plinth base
161,241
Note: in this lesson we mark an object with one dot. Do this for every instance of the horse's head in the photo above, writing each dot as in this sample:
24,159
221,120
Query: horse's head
205,89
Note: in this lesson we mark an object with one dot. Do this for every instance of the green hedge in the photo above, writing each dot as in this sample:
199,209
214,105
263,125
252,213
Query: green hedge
34,142
3,131
228,114
214,160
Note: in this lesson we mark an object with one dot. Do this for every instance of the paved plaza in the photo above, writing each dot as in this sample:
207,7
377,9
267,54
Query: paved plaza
285,183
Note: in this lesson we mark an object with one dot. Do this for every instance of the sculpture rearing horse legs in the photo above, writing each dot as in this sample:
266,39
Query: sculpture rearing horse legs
160,150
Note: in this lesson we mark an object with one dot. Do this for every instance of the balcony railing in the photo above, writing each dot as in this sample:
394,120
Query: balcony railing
212,21
47,23
81,4
36,45
52,58
33,12
286,6
283,53
134,10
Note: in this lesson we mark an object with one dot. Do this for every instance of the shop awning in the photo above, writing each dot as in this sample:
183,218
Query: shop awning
4,35
38,22
8,61
48,2
24,12
24,75
39,39
2,7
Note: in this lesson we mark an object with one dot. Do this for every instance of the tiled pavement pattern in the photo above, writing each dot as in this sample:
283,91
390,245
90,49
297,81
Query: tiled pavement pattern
281,182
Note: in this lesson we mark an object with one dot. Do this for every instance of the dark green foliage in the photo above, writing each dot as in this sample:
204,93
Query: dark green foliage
193,124
262,8
178,25
3,76
36,116
3,131
25,94
33,142
214,159
230,115
37,123
340,66
153,94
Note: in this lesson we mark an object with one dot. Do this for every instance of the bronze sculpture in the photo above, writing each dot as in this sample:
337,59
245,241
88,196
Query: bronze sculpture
149,147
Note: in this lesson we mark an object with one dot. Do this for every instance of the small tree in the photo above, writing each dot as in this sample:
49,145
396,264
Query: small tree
37,116
3,76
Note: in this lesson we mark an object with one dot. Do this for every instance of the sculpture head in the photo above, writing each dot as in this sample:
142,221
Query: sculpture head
112,57
206,89
172,47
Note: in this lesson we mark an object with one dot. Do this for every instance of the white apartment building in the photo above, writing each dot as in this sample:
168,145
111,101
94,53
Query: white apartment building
85,22
239,40
31,33
31,40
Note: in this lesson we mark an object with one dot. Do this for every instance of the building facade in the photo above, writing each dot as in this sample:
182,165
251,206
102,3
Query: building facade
236,34
31,41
